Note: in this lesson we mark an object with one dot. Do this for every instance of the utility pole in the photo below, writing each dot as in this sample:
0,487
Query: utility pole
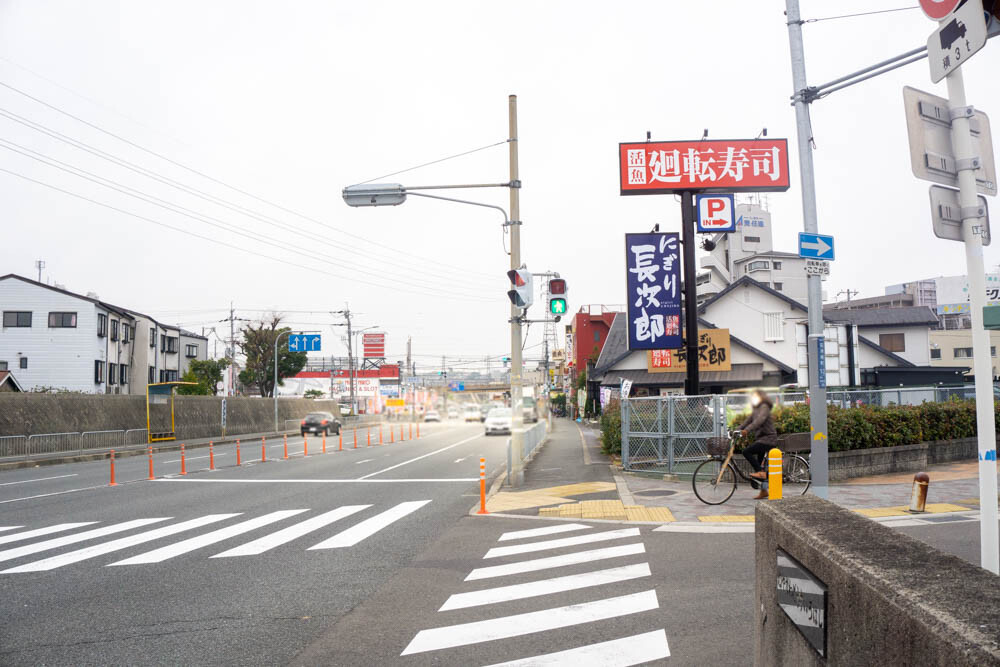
849,293
688,240
409,354
817,384
972,230
39,264
516,360
350,359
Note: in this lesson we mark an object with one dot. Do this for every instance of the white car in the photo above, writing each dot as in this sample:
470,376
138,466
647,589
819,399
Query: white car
432,416
498,421
452,413
471,414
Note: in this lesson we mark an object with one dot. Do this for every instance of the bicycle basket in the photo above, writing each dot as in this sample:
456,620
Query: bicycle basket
718,446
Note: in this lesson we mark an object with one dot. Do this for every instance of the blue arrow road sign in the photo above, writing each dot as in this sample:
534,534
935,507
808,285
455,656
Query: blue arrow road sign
304,342
815,246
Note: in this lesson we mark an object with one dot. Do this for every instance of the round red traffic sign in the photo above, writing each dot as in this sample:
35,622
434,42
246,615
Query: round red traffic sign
939,9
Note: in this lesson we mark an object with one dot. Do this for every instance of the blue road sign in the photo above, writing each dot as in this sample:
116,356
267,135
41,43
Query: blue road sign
304,342
457,386
815,246
821,361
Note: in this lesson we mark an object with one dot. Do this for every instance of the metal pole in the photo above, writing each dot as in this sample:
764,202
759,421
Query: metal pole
972,231
350,360
817,394
516,361
690,293
274,391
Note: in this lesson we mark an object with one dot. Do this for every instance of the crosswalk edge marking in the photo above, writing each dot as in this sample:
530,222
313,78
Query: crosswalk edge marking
589,538
624,652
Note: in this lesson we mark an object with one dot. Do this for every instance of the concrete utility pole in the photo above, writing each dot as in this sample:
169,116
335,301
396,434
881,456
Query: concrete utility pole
849,293
973,229
516,360
350,358
817,347
39,264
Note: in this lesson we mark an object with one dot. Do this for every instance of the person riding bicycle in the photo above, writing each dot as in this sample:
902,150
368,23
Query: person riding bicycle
765,436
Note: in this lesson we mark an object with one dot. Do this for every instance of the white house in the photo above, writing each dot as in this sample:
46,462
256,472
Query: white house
902,331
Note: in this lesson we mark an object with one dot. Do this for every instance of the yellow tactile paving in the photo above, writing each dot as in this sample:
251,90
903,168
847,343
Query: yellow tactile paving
504,501
579,489
970,501
900,510
727,518
609,509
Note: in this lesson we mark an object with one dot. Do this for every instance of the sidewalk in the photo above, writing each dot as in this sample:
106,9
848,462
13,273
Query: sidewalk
571,479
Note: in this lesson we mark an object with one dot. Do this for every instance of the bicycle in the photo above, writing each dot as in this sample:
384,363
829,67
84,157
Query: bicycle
714,480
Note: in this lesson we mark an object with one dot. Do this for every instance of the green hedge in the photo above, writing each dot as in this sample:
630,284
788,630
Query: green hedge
611,428
869,426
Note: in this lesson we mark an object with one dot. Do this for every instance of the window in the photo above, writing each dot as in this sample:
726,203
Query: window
102,325
962,352
126,333
24,362
3,365
152,338
597,336
774,326
779,286
98,372
168,343
893,342
993,350
114,329
936,354
190,351
17,318
152,375
123,373
751,239
168,376
777,266
757,266
62,320
112,373
703,278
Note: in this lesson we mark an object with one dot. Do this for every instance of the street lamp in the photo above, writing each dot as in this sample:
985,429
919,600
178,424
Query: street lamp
274,391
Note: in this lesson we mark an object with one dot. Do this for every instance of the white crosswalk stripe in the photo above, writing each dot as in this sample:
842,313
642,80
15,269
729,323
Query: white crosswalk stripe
3,528
116,545
38,532
556,561
590,538
267,542
55,543
623,652
540,532
369,527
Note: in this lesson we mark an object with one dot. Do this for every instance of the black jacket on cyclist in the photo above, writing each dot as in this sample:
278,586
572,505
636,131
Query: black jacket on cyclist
765,436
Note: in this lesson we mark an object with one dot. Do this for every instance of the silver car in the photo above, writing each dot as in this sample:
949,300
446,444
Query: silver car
498,421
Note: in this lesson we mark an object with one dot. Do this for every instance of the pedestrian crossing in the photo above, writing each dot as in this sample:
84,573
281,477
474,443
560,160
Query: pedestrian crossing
608,587
224,528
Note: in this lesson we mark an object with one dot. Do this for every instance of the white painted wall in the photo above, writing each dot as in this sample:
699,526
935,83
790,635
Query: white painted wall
916,339
200,354
836,347
742,312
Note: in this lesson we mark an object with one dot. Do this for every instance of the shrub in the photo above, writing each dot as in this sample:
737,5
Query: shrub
611,428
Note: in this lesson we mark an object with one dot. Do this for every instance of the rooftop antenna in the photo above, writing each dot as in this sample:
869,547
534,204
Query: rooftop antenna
704,135
648,136
39,264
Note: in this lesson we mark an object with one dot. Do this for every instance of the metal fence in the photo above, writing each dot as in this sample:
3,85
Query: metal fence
533,437
883,397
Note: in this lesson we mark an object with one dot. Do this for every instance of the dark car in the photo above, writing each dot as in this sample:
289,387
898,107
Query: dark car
320,422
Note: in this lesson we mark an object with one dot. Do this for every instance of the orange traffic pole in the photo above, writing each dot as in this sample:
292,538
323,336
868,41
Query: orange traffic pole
238,451
211,456
418,430
392,435
482,487
401,433
355,438
369,436
380,434
411,430
286,446
113,482
151,463
340,441
183,469
305,446
263,449
324,442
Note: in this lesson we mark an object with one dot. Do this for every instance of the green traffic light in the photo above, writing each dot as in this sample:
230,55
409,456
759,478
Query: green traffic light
557,306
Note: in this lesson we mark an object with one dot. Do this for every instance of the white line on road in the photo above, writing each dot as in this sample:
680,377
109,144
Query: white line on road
38,532
55,493
539,532
73,539
556,561
183,547
116,545
546,586
37,479
705,528
634,650
462,459
3,528
267,542
315,481
437,451
368,527
357,463
497,552
531,622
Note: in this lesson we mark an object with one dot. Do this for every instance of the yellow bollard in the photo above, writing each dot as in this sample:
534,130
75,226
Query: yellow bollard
774,474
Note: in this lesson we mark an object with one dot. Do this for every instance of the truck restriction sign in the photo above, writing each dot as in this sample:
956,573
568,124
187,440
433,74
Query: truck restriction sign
716,213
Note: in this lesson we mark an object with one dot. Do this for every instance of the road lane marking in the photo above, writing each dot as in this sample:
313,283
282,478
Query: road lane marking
38,532
267,542
497,552
313,481
556,561
424,456
3,528
79,537
634,650
463,458
183,547
546,586
530,623
357,463
37,479
55,493
368,527
539,532
116,545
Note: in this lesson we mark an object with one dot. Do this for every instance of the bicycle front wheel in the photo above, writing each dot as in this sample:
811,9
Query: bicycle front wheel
711,487
795,475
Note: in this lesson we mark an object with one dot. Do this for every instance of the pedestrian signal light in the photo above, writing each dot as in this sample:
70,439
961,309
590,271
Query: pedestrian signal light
522,293
557,306
557,287
557,296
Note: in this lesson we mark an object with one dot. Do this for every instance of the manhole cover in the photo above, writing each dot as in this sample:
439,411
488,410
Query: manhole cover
654,493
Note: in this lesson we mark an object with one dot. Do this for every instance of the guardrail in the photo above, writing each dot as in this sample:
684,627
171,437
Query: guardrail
533,437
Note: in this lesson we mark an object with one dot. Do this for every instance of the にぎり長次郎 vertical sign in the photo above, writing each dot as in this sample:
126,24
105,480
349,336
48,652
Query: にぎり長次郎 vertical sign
654,291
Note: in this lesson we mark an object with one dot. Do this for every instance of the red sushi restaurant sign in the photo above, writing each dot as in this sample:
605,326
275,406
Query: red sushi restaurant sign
738,165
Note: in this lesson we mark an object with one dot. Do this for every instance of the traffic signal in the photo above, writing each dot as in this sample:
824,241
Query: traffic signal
557,296
522,294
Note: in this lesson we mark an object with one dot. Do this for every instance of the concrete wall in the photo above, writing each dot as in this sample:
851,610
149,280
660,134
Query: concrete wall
196,416
892,600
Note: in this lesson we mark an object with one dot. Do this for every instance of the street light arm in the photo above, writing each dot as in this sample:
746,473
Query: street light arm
506,220
459,187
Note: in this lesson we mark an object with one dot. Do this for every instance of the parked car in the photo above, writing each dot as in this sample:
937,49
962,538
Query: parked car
320,422
498,421
471,414
432,416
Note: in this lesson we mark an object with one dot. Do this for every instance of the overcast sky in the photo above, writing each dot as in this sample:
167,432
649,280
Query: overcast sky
291,101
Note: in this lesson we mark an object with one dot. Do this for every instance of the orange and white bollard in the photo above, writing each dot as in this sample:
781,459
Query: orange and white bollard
918,496
183,468
238,461
411,430
150,464
401,433
392,437
340,441
418,430
369,436
324,442
286,446
482,486
380,434
774,471
113,482
305,446
211,456
263,449
355,438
